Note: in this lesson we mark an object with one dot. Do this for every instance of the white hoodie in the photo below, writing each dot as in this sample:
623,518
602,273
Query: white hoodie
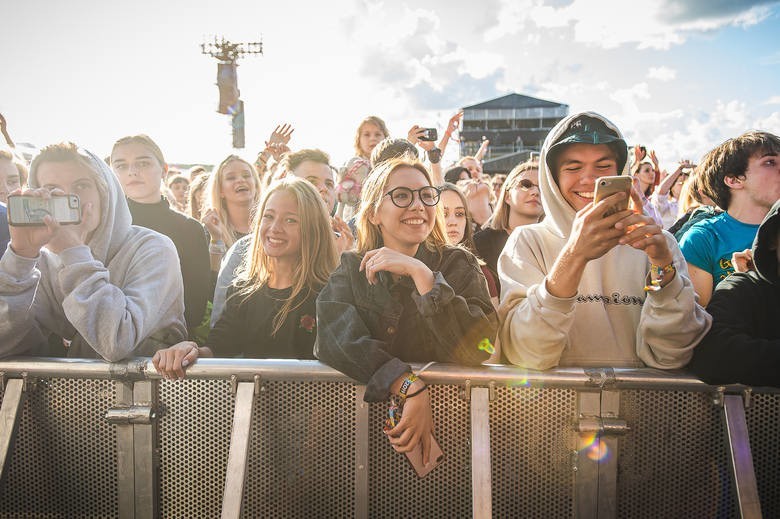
611,321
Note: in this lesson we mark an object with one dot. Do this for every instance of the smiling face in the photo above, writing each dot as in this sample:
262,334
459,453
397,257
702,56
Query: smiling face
646,175
74,179
404,229
280,227
455,220
370,135
579,165
238,184
474,167
139,172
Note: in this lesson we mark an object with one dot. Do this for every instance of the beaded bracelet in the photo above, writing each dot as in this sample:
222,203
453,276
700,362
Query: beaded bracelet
656,276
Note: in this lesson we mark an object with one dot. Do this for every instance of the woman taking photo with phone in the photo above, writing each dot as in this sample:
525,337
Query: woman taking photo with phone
270,310
403,296
99,288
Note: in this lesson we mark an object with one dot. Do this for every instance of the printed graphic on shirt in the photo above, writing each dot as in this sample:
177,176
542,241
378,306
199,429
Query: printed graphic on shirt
615,299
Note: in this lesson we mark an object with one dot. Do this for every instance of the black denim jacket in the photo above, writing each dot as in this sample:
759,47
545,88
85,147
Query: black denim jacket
371,332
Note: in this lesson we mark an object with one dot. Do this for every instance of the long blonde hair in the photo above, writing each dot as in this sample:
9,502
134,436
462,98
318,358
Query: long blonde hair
500,218
213,197
318,255
369,236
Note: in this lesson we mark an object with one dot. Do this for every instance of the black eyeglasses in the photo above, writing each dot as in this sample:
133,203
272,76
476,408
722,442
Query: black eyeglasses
403,196
526,184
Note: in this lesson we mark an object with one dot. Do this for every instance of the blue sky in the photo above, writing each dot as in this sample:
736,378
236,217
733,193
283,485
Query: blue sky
678,76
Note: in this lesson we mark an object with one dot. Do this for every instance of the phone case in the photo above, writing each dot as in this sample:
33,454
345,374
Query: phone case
606,186
434,458
26,211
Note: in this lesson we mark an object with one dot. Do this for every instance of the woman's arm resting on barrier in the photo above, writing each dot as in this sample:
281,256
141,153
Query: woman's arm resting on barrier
171,362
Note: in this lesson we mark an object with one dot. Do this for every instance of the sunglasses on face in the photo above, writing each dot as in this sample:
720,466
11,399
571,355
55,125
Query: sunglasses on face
526,184
403,197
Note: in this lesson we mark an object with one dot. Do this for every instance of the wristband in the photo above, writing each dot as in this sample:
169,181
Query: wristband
217,247
406,384
434,155
656,276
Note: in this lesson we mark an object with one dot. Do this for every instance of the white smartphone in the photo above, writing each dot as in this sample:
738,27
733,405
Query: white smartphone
26,211
606,186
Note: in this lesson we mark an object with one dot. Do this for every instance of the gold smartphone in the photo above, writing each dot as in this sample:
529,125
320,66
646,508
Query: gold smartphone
606,186
435,458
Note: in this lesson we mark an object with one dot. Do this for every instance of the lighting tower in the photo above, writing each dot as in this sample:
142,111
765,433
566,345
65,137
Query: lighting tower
227,53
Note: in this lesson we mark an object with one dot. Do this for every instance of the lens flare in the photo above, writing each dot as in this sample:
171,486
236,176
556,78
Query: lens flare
593,448
485,345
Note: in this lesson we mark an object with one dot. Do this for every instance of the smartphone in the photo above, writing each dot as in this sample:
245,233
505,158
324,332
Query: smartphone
606,186
435,458
429,134
24,211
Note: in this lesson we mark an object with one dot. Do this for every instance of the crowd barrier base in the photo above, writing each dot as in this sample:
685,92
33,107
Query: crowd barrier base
267,438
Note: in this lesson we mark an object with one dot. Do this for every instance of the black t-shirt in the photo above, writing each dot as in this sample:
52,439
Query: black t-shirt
246,324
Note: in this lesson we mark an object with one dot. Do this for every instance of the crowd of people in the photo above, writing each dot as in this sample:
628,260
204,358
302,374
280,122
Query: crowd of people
393,259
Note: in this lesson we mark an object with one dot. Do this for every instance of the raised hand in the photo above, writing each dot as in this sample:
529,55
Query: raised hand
398,264
414,134
344,239
210,218
280,135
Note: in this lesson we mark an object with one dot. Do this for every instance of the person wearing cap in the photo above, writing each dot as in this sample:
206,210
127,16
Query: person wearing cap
583,288
743,345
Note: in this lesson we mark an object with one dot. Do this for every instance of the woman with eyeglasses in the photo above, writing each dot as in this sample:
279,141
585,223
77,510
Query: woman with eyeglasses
403,296
518,203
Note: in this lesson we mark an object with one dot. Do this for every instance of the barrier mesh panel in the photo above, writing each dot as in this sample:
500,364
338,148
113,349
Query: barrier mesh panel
195,425
302,455
64,459
532,443
763,419
674,461
394,490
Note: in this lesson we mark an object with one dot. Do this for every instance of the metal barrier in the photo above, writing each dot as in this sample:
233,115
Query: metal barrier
264,438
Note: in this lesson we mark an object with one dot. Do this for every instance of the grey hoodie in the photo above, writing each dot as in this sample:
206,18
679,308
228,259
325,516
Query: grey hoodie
611,321
121,294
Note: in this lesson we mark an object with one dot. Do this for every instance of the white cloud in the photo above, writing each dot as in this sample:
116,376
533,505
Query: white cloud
662,73
610,23
774,100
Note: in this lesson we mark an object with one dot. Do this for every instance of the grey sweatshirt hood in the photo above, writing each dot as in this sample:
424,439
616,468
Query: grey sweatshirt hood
115,218
559,214
764,256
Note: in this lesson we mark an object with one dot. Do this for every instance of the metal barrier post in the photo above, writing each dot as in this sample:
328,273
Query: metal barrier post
9,415
361,453
741,457
239,450
481,472
586,475
608,458
125,463
145,451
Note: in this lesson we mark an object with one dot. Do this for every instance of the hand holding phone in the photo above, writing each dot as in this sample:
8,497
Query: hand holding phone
606,186
30,210
409,428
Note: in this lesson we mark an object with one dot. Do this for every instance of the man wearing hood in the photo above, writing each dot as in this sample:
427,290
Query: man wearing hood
743,345
583,288
101,288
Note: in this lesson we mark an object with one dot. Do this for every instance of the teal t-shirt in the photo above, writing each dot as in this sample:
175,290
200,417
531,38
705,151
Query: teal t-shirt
709,244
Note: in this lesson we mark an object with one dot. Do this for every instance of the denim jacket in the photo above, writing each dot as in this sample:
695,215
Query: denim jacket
372,332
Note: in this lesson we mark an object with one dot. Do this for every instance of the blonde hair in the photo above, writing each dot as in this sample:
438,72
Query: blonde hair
213,197
318,254
143,140
500,218
369,236
376,121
